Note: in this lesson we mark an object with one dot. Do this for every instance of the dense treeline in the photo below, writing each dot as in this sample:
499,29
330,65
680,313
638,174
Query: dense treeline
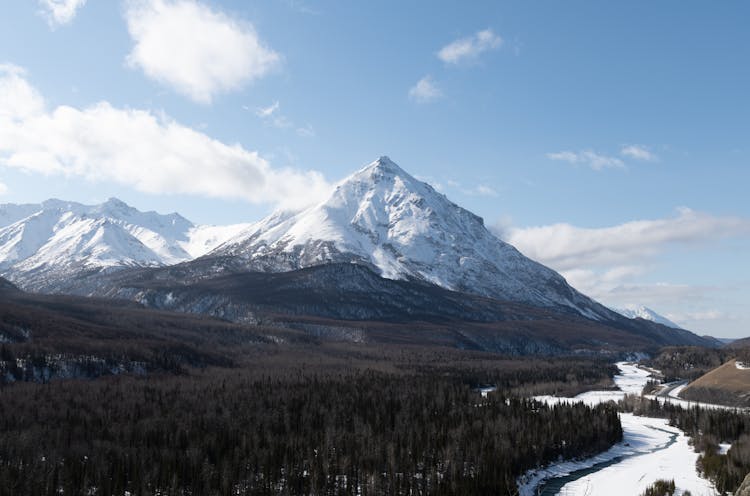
688,362
691,362
707,428
717,395
662,488
305,426
519,376
57,337
179,404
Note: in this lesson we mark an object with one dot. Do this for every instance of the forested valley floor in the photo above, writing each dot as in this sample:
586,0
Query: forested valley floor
303,419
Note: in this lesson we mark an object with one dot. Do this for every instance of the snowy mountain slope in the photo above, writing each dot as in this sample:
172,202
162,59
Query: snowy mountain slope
10,213
645,313
384,247
43,244
402,228
6,285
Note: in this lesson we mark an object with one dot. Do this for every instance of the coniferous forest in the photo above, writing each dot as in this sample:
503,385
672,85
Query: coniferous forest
315,420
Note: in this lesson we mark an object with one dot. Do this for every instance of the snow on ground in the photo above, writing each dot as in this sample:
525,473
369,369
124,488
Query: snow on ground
741,365
641,435
724,448
634,474
675,393
484,391
690,404
650,450
630,380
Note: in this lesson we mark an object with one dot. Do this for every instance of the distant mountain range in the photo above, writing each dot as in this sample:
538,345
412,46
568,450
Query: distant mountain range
643,312
42,245
384,247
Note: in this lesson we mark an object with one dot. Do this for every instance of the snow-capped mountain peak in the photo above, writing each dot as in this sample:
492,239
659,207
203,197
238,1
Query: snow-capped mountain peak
645,313
384,218
44,243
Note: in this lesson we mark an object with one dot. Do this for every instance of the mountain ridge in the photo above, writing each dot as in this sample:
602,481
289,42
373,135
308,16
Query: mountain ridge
384,247
402,228
645,313
41,245
350,302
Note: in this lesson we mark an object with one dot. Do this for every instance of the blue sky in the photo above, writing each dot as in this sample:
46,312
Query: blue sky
607,140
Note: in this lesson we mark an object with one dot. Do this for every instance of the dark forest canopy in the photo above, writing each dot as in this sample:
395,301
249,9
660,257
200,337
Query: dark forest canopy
306,420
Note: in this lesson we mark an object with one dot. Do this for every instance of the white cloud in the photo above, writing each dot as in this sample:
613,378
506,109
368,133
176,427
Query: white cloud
638,152
589,158
3,189
477,190
264,112
483,190
425,91
18,99
470,48
279,121
138,148
196,50
59,12
657,294
601,282
272,116
306,131
610,263
480,190
703,315
565,247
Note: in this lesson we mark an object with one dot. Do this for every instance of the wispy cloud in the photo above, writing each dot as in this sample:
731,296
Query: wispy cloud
194,49
265,112
301,7
480,190
702,315
470,48
638,152
656,294
306,131
610,263
60,12
599,161
272,116
564,246
425,91
3,188
452,184
138,148
588,158
483,190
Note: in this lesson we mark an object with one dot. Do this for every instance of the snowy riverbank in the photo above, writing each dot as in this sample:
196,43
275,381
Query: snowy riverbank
650,450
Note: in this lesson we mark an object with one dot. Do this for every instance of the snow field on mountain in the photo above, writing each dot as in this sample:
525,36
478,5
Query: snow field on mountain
62,237
383,217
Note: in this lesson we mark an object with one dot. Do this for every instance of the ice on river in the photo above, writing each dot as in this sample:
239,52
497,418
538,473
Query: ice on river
651,450
664,457
630,380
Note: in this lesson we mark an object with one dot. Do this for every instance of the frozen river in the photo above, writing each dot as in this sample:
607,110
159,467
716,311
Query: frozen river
650,450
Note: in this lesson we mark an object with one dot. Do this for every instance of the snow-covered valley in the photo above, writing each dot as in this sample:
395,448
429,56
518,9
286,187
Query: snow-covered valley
650,450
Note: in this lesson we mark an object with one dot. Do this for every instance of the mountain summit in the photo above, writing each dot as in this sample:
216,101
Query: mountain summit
383,256
402,228
645,313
